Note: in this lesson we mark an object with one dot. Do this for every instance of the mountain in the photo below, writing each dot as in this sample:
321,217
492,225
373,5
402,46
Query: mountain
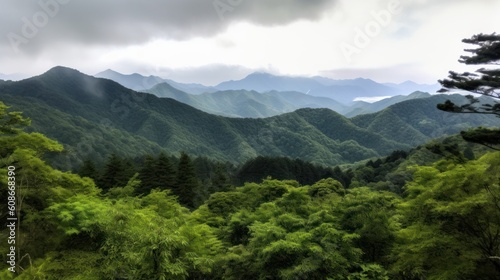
344,91
410,86
12,77
252,104
247,104
361,107
95,117
418,120
139,82
263,82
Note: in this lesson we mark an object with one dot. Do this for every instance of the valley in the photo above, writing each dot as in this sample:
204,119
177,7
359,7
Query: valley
91,116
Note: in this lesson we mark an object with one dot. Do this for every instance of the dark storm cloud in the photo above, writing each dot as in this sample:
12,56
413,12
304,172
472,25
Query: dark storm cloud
34,25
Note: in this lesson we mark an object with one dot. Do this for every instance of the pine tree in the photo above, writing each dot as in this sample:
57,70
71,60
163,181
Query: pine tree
147,175
220,179
164,173
186,183
88,169
485,82
116,173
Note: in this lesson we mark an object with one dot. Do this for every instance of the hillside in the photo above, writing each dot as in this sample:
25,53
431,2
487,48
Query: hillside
139,82
97,116
344,91
417,121
247,104
90,115
253,104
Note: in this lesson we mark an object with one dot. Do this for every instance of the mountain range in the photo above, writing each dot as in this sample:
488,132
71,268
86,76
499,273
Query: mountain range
139,82
252,104
227,100
13,77
94,117
343,91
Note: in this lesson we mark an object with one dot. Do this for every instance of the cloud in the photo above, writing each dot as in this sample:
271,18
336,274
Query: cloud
125,22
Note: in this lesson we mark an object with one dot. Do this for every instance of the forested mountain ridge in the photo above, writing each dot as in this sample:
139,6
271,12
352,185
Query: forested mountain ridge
95,117
417,121
80,105
253,104
247,104
265,95
139,82
136,229
344,91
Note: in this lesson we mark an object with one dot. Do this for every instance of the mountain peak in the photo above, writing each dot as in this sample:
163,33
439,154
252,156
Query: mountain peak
107,72
61,71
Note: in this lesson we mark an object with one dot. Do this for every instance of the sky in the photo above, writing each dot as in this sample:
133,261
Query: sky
210,41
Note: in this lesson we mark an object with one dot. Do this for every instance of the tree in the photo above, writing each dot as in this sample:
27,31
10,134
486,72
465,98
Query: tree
451,221
116,173
485,82
11,121
37,186
187,182
88,169
165,174
147,175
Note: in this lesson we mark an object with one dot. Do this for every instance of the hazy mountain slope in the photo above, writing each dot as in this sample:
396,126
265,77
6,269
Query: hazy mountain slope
67,99
360,107
344,91
98,116
242,103
252,104
418,120
139,82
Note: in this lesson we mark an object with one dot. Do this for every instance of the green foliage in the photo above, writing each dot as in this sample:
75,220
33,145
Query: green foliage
10,121
325,187
88,169
370,272
186,183
116,173
259,168
445,226
484,136
105,118
486,82
369,214
452,214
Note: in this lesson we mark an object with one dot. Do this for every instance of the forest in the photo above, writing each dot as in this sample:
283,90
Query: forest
432,213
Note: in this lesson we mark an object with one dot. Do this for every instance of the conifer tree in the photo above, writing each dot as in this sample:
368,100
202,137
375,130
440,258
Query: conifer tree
147,175
88,169
164,173
186,183
486,82
116,173
220,179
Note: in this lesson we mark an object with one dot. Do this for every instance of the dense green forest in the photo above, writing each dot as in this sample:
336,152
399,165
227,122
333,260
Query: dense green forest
428,213
94,118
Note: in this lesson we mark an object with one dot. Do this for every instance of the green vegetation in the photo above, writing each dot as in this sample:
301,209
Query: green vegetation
441,222
485,82
94,118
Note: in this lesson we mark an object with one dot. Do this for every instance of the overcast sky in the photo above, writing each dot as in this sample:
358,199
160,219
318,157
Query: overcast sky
209,41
